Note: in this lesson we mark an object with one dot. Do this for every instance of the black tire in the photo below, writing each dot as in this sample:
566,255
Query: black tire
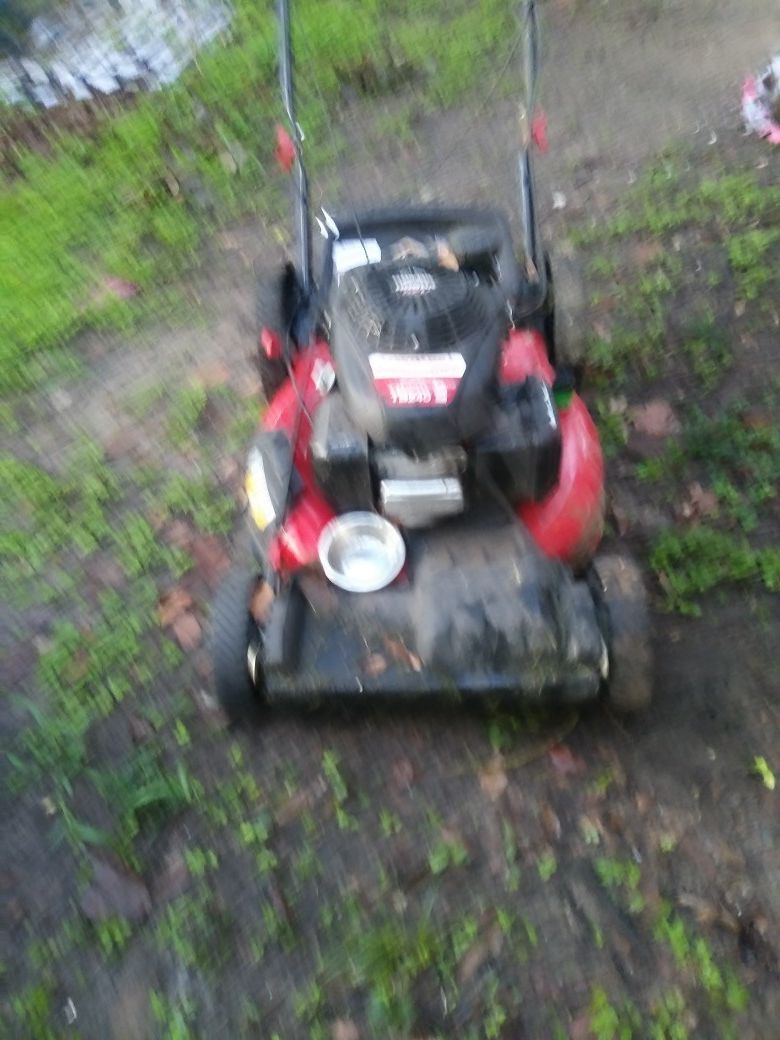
232,629
627,623
568,312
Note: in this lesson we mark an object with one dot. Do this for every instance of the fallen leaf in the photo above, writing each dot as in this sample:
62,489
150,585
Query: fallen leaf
493,779
656,418
551,825
303,799
701,502
211,558
401,654
487,945
120,287
739,308
172,605
140,728
173,878
707,914
344,1029
261,602
187,631
374,665
403,773
115,892
211,374
648,251
564,761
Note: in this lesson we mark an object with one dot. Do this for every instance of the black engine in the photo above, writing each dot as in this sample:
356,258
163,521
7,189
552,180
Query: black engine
418,425
416,347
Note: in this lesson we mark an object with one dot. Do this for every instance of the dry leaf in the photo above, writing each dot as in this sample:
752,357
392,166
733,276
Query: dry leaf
655,419
493,779
344,1029
551,825
208,552
401,654
374,665
187,631
213,373
483,947
648,251
172,605
179,533
701,502
261,602
564,761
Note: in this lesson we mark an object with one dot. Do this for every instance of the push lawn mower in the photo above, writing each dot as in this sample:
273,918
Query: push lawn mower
426,488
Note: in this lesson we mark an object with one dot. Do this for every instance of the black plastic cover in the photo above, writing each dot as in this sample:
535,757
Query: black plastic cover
339,454
523,450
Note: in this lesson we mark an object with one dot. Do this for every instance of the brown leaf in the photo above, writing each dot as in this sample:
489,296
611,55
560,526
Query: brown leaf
141,729
656,418
484,946
701,502
212,373
551,825
564,761
401,654
187,631
647,252
178,533
493,779
374,665
120,288
261,602
211,558
173,878
707,914
172,605
115,892
344,1029
300,801
403,774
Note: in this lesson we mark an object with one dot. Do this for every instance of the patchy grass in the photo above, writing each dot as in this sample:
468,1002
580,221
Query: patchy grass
134,201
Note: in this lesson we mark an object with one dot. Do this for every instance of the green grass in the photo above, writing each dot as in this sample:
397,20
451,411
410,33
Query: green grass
135,200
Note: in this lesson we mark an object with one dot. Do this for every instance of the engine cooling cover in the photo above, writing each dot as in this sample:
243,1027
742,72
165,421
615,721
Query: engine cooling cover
416,348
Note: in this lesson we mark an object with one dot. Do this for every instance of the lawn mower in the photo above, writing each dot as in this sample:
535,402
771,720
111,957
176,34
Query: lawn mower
425,490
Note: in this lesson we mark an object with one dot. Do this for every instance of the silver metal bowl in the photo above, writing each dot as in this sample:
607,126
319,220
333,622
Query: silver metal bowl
361,552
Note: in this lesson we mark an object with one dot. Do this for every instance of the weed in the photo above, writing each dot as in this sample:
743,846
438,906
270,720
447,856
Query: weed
390,823
622,875
185,413
547,865
198,499
447,852
609,1023
747,253
763,770
173,1018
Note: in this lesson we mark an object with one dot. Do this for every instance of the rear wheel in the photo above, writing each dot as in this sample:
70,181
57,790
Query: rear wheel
233,631
567,312
626,621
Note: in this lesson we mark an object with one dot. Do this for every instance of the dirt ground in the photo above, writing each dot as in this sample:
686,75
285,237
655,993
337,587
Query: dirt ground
432,872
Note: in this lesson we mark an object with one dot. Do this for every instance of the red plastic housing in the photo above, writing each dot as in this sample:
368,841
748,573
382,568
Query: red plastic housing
567,524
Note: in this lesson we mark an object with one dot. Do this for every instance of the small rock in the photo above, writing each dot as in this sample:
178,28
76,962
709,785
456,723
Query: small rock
115,892
559,200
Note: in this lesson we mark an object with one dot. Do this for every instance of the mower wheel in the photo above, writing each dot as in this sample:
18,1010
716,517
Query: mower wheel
232,631
270,315
567,308
626,620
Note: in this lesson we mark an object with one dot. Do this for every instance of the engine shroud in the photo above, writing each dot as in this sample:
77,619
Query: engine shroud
416,348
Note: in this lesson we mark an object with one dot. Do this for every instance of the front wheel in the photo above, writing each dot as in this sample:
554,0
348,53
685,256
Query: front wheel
233,634
626,620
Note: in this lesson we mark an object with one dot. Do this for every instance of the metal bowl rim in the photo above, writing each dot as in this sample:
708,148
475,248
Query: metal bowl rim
391,539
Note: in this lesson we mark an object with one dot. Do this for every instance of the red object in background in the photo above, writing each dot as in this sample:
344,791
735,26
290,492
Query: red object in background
539,131
568,524
295,544
524,354
271,344
285,152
